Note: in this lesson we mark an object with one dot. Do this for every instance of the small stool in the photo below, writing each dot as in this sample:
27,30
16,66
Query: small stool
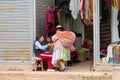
38,63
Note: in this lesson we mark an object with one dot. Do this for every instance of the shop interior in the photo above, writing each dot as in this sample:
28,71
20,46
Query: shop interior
81,23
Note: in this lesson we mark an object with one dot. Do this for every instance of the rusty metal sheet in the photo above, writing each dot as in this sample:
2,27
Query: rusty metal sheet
15,29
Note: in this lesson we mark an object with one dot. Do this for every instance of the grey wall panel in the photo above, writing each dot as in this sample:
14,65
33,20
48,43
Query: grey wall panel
15,27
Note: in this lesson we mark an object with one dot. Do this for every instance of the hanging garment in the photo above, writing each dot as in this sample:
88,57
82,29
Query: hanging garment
118,15
59,3
59,17
82,9
56,18
118,18
113,53
109,6
86,10
90,9
116,4
109,57
105,10
49,22
119,29
116,54
63,5
75,8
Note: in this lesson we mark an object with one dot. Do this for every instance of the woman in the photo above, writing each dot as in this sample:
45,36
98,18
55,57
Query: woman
61,54
39,48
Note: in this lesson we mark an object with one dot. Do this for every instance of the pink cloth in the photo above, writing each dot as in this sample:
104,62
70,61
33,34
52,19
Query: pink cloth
67,38
57,43
58,39
49,22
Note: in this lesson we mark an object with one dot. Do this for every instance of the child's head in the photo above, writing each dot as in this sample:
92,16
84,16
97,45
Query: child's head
41,37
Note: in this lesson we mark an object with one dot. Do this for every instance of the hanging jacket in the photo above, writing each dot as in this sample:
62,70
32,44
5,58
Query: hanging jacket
49,22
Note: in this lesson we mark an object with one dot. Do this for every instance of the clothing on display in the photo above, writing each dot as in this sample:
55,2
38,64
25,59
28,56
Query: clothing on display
119,29
82,9
56,18
113,53
59,17
116,4
118,18
104,10
90,9
118,15
63,5
75,8
86,10
49,22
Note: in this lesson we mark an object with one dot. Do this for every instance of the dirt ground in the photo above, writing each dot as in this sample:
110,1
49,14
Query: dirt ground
80,71
17,75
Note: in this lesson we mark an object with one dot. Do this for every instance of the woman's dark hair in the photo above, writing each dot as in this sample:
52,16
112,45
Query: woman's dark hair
79,35
75,33
40,36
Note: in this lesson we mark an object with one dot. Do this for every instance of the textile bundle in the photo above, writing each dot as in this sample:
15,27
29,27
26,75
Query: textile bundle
67,38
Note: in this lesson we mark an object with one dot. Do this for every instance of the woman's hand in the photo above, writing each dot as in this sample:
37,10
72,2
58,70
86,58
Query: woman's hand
36,47
49,44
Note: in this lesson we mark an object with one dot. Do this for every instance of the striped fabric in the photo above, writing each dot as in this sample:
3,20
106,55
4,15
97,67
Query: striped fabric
67,38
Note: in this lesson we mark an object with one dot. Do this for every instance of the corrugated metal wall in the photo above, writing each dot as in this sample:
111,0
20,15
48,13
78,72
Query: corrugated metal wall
15,30
41,7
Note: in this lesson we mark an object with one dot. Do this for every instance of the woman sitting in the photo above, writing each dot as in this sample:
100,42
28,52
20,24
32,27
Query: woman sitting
40,48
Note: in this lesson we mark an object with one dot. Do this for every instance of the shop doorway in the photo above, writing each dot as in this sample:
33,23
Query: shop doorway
77,25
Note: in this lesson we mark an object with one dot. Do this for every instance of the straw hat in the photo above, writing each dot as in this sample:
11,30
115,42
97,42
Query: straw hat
58,26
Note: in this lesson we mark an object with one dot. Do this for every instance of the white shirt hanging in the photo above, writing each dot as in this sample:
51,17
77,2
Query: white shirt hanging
74,6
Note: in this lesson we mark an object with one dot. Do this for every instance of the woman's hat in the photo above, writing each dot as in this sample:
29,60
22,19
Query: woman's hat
59,26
